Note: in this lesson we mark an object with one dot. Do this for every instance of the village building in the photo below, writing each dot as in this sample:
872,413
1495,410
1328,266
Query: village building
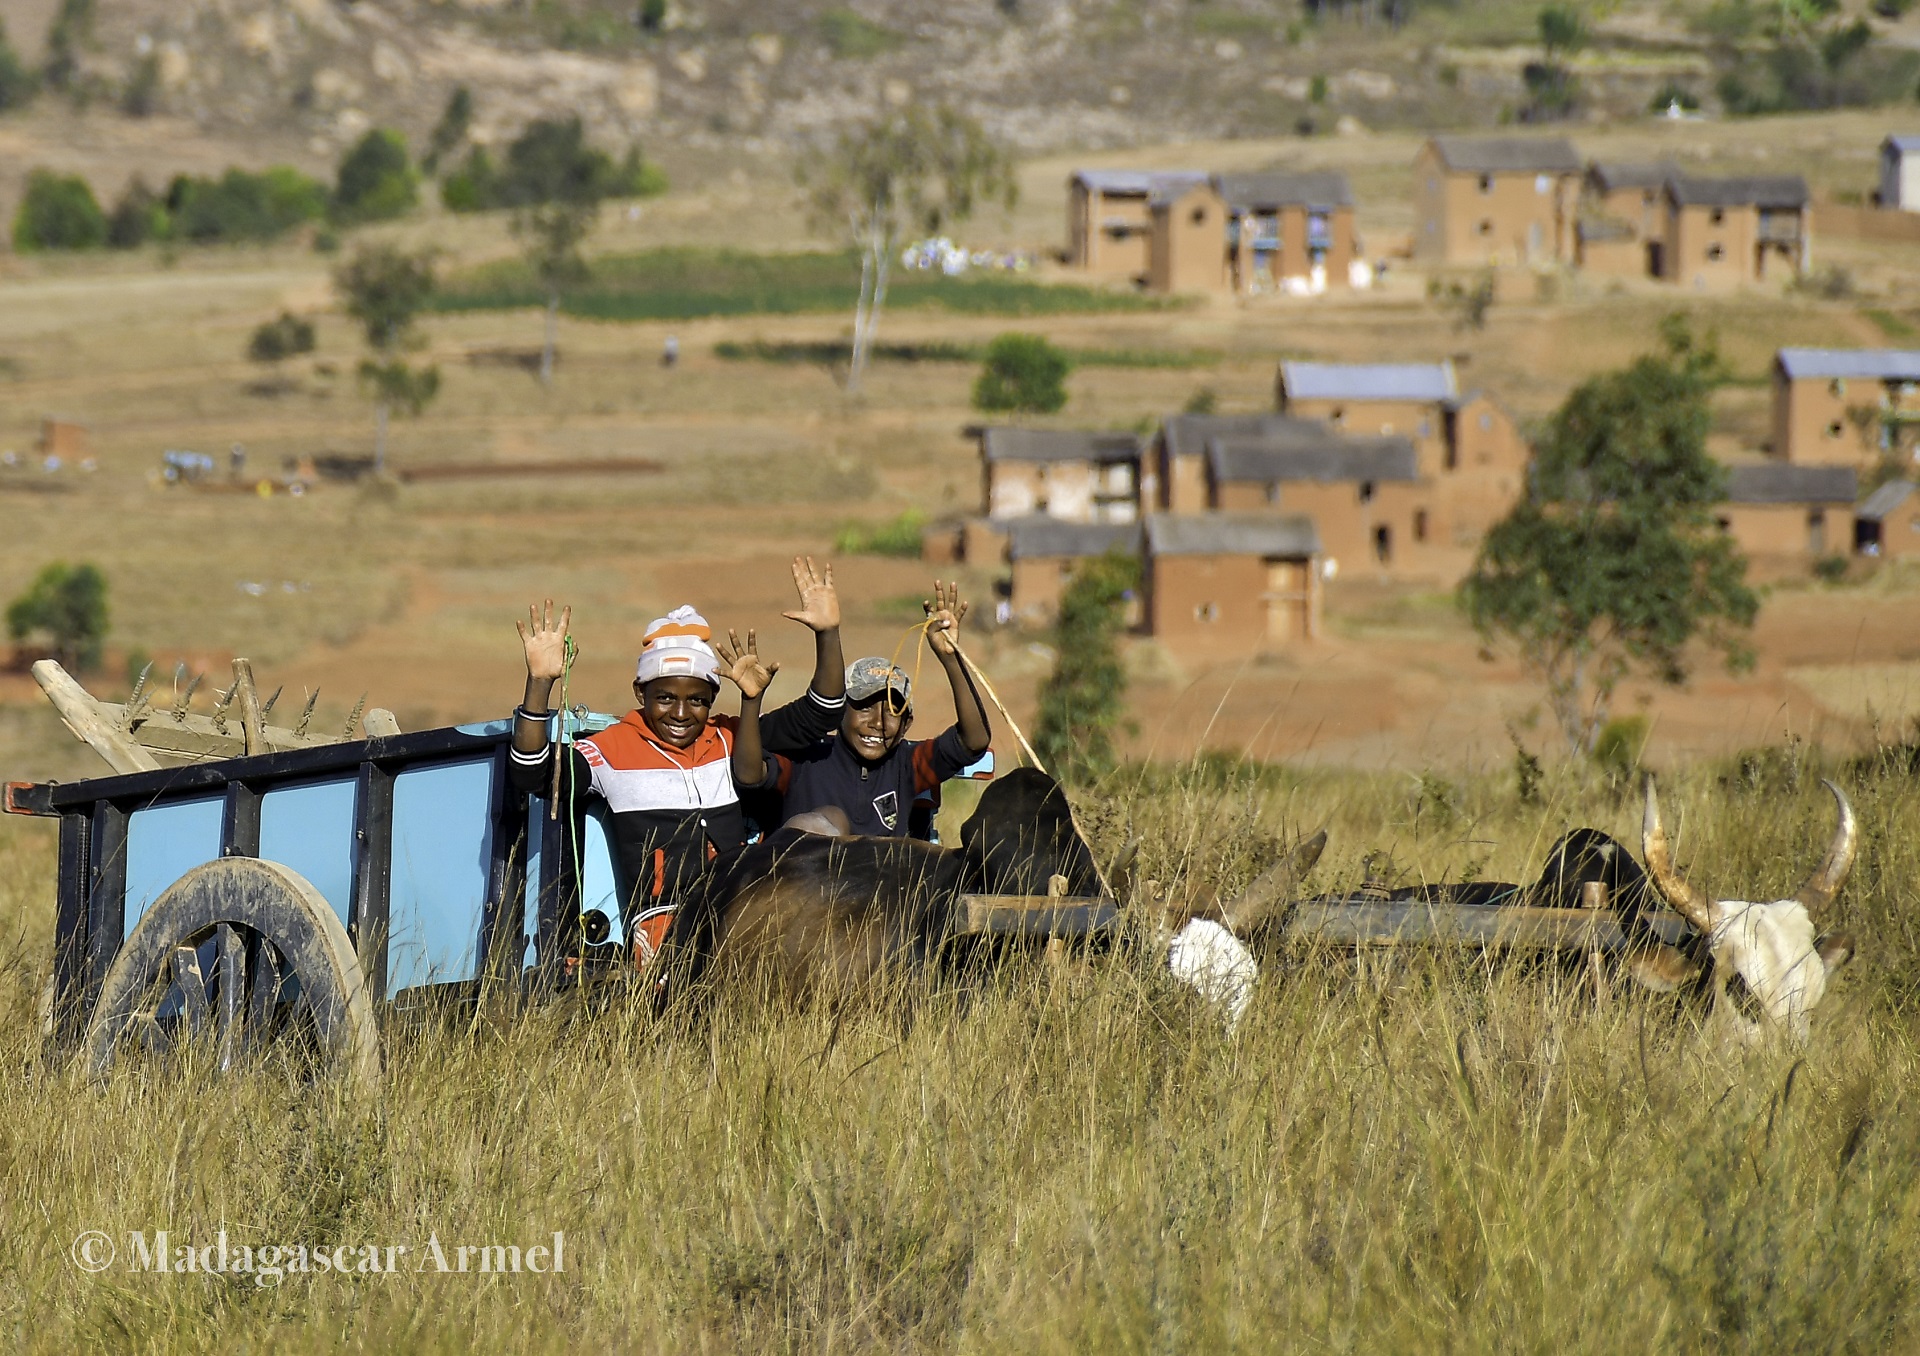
1365,495
1046,551
1728,232
1900,173
1502,201
1232,581
1079,475
1778,513
1110,217
1623,218
1467,444
1845,407
1178,456
1887,522
1180,231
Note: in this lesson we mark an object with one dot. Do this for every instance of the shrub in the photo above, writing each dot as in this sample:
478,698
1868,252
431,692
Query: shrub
139,216
141,97
241,205
653,13
1891,9
1831,569
16,81
285,336
1618,748
376,180
896,537
852,36
550,161
58,212
1022,373
1084,698
475,186
68,605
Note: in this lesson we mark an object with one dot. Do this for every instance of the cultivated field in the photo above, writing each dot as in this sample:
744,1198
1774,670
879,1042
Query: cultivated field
1410,1154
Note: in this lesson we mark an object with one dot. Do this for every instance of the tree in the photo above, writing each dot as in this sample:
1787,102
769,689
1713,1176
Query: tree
72,27
16,81
139,216
1082,699
376,181
456,120
58,212
67,604
1023,373
385,289
914,170
555,181
285,336
1613,563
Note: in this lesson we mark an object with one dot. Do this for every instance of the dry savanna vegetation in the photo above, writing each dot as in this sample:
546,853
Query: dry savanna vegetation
1408,1151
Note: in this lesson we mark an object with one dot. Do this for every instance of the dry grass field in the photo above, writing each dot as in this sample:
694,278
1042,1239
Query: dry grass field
1409,1153
1413,1153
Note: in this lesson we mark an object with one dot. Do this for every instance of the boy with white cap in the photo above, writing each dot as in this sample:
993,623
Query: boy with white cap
870,772
666,769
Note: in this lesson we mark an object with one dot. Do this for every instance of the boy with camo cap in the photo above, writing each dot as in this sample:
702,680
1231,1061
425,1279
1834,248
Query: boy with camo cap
870,772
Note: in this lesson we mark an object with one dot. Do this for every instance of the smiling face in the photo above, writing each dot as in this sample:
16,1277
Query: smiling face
873,728
675,709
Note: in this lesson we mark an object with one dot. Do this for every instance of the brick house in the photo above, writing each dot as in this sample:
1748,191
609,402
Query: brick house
1900,173
1623,218
1176,463
1845,407
1495,200
1289,231
1727,232
1080,475
1467,444
1046,551
1186,243
1232,580
1887,522
1110,220
1780,513
1365,495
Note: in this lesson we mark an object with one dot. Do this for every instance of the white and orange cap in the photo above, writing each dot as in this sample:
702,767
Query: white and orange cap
676,646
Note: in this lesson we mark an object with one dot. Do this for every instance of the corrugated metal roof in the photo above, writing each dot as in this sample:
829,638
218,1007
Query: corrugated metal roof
1609,175
1875,364
1367,381
1330,457
1231,534
1902,142
1508,155
1886,499
1187,435
1138,183
1758,190
1037,535
1780,483
1046,444
1285,188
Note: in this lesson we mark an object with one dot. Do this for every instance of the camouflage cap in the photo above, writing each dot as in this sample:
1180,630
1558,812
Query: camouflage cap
869,677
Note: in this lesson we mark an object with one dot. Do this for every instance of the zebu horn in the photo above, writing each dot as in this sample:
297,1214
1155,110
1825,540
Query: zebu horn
1259,903
1826,881
1121,872
1671,884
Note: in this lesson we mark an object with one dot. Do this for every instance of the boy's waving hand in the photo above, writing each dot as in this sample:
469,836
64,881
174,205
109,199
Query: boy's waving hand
819,605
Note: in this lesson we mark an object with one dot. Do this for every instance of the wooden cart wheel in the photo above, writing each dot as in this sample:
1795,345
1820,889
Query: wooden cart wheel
239,950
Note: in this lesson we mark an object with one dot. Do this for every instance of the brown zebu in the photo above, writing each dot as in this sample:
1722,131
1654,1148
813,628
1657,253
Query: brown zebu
813,910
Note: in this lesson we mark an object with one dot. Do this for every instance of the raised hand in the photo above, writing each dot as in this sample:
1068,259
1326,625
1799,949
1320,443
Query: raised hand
819,605
945,611
545,641
741,664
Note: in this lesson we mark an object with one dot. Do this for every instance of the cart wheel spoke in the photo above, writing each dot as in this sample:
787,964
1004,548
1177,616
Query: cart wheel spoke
264,997
231,952
193,989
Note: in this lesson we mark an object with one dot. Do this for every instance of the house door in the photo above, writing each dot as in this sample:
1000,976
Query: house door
1286,598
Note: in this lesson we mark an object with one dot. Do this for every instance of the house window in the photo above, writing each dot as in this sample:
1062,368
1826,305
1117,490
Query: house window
1833,429
1543,184
1207,612
1817,531
1273,493
1486,226
1199,216
1836,387
1718,216
1419,524
1486,183
1337,417
1366,491
1715,253
1724,524
1066,571
1383,544
1486,423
